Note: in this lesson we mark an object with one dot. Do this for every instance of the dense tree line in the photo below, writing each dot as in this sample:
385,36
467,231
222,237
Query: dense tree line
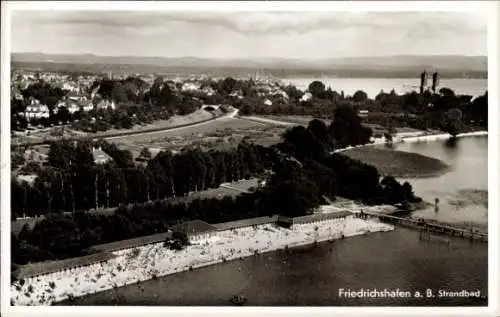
60,236
421,111
318,139
72,181
337,174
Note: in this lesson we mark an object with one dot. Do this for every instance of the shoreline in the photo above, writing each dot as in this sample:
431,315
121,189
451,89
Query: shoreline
413,138
154,260
416,166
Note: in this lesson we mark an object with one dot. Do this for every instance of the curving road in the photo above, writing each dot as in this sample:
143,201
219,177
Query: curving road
232,114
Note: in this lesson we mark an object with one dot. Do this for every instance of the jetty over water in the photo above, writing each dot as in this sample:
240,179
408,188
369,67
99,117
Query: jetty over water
427,226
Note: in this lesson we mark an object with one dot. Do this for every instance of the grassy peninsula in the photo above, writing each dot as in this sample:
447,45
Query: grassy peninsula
398,163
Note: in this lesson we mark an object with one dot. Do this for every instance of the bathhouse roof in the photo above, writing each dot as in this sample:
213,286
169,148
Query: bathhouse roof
194,227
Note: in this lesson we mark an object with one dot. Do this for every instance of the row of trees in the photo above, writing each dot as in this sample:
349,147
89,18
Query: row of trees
72,181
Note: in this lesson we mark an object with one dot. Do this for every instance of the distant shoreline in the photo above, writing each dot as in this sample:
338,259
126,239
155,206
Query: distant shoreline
244,71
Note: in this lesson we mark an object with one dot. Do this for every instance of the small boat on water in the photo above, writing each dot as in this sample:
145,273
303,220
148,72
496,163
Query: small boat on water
238,300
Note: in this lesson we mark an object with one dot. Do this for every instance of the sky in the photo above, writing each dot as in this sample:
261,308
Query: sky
297,35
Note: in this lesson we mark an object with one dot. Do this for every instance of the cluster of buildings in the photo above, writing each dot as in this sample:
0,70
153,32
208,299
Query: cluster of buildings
81,97
21,80
37,110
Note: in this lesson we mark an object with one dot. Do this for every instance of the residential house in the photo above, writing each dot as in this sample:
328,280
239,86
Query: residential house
190,87
73,95
238,94
16,94
30,179
306,96
100,157
86,105
69,104
208,90
34,156
363,113
70,86
94,94
36,110
105,104
280,93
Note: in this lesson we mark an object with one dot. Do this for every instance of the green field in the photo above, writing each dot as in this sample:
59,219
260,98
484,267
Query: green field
398,163
221,134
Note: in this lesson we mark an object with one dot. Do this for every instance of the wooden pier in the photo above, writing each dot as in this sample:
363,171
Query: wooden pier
430,227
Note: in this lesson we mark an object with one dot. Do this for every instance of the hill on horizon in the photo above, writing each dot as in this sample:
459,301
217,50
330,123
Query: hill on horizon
444,62
398,66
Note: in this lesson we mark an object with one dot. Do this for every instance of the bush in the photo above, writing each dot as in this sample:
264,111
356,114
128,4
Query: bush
177,241
134,253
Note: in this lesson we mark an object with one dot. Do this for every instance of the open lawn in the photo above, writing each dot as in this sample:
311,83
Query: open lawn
398,163
193,131
174,121
222,134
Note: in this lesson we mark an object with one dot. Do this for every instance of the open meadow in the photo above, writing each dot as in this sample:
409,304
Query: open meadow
222,134
398,163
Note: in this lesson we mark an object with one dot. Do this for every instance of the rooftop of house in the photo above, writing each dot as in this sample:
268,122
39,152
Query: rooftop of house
67,103
100,155
245,223
85,102
30,179
39,268
194,227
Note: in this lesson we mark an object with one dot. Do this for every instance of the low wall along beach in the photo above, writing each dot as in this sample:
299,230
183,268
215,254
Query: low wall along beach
142,263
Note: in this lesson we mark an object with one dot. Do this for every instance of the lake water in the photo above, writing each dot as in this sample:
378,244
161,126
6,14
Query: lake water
457,190
372,86
393,260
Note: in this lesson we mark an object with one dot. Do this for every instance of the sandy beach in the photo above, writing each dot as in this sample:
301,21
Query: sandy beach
151,261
